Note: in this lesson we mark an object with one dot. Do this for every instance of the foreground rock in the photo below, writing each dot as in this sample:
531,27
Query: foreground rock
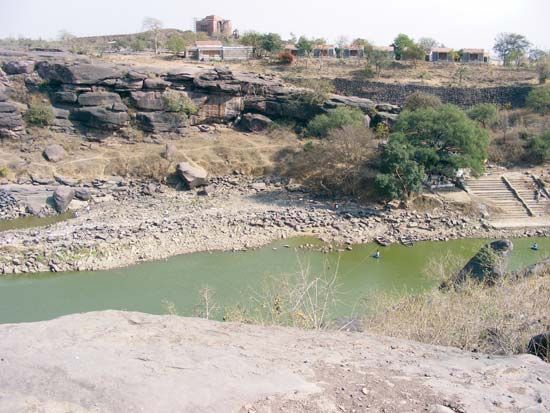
62,197
193,176
253,122
116,361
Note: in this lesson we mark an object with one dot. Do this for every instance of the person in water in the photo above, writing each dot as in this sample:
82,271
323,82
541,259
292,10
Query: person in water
377,254
535,246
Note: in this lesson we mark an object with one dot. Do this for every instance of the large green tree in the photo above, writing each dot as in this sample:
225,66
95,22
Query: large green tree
271,42
511,47
304,46
444,138
400,174
400,43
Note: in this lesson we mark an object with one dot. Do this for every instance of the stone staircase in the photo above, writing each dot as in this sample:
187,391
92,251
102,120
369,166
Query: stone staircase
513,194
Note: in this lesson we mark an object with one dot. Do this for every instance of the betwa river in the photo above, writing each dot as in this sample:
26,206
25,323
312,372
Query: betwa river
234,276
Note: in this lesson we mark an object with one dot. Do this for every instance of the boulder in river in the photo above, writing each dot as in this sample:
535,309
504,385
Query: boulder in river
54,153
488,264
62,197
193,176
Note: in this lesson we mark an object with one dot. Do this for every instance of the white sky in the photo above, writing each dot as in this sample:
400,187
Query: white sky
457,23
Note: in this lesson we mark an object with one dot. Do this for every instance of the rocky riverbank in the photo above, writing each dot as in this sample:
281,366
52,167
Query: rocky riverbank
127,222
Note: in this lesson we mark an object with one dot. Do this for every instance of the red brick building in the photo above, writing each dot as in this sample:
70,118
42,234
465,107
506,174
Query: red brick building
214,26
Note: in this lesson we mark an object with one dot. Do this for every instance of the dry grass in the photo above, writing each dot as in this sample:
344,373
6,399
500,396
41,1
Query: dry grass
496,320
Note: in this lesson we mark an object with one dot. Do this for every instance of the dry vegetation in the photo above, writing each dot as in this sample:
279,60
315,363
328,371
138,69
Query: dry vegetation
496,320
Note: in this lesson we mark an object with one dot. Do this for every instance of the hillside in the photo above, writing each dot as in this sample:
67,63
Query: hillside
116,361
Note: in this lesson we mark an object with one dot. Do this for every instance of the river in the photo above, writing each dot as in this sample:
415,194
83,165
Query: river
234,276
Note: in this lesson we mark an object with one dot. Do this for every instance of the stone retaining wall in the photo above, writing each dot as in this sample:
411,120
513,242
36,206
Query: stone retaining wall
461,96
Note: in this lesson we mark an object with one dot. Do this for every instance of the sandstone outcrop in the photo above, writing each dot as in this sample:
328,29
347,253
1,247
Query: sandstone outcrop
128,362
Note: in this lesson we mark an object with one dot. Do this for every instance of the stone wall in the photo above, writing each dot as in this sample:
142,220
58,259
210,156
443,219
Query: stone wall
461,96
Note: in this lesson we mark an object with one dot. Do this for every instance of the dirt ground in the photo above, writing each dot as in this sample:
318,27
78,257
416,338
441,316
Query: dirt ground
131,362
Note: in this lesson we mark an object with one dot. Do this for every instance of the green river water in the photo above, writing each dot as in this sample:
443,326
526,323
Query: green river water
233,276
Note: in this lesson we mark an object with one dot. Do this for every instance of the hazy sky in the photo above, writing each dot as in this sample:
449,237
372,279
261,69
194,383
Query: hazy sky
457,23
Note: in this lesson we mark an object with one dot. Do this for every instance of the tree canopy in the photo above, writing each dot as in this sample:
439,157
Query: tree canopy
511,47
304,46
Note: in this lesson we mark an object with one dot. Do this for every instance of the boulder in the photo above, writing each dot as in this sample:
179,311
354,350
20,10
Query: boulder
83,194
162,121
156,83
540,346
170,152
254,122
101,118
62,197
106,99
19,67
77,74
193,176
10,118
65,97
54,153
488,264
147,100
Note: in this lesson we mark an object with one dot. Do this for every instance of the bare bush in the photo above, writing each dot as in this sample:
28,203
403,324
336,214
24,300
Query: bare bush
335,164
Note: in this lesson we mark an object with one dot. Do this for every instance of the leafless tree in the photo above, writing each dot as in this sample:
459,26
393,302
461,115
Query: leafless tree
154,26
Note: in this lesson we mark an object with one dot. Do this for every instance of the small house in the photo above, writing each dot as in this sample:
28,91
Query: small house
474,56
324,50
441,54
352,52
292,49
206,50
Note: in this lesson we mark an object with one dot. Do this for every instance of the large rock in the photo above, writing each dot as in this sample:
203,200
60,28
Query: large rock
18,67
156,83
101,118
62,197
54,153
193,176
78,74
489,263
162,121
254,122
10,118
65,97
99,99
147,100
83,194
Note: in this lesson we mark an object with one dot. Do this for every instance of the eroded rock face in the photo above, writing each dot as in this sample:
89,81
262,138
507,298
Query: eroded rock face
54,153
18,67
98,117
162,121
489,264
78,74
254,122
11,120
148,100
106,99
62,197
192,176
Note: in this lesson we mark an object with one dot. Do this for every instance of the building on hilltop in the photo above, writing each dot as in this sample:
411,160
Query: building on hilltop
206,50
214,26
474,56
441,54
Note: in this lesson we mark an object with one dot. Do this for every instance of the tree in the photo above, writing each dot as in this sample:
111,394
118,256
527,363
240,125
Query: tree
379,58
176,44
154,26
511,47
304,46
444,138
271,42
342,116
543,68
401,175
413,52
539,100
484,113
539,148
419,100
427,43
400,43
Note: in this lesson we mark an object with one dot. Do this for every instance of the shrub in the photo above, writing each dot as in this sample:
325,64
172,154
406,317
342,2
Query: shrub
319,89
419,100
178,102
382,131
539,100
538,150
369,72
485,113
39,113
342,116
285,58
3,172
